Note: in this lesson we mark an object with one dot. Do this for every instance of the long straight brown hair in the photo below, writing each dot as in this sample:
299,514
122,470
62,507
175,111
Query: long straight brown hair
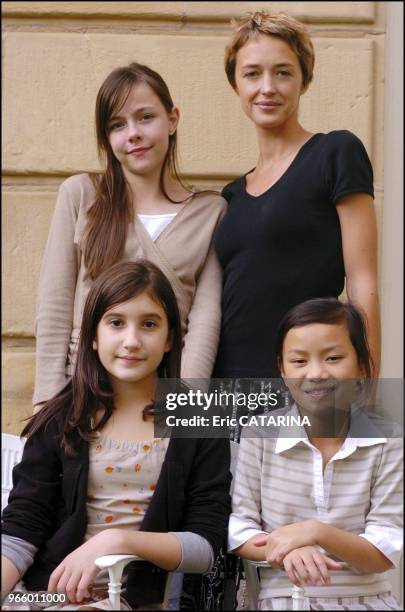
90,388
108,218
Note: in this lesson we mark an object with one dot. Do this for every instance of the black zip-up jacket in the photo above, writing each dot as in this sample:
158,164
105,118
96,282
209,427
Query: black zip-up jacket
47,505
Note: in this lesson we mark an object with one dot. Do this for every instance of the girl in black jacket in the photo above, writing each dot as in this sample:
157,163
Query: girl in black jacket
94,480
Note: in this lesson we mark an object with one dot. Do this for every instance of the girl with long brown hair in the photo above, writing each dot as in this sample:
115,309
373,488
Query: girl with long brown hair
137,207
94,480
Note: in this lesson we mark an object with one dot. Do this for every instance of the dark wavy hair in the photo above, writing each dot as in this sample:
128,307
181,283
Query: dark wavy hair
329,311
89,388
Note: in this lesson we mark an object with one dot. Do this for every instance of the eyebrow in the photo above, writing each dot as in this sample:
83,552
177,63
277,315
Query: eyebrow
114,313
280,65
138,110
333,347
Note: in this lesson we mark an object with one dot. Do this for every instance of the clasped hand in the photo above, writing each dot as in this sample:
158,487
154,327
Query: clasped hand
293,548
78,570
283,540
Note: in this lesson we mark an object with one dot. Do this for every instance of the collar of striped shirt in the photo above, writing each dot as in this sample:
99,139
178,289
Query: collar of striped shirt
365,430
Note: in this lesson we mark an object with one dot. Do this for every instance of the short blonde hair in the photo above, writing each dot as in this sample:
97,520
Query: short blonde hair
283,26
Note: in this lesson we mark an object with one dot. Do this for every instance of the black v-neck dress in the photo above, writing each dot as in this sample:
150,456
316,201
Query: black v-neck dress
283,247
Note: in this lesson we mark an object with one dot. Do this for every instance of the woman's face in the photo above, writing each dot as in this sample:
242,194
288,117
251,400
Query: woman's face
320,366
268,80
139,132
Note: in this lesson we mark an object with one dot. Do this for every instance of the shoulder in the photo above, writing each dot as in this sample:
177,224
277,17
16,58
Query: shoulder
46,439
342,139
79,183
207,206
78,188
232,188
373,425
210,199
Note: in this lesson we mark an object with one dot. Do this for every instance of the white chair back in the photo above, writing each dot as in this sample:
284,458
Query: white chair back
11,453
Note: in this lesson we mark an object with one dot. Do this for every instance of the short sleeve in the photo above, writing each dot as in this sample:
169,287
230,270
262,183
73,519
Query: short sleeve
232,189
347,166
227,192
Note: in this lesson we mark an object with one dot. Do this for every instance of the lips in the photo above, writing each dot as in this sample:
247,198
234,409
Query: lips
318,393
267,104
130,360
137,152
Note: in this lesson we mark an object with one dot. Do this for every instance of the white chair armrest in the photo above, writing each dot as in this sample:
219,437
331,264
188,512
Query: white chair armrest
115,565
253,587
107,561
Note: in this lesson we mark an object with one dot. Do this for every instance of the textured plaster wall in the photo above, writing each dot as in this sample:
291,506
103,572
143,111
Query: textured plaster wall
55,56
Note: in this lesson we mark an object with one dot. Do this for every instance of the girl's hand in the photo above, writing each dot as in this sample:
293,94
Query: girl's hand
77,570
283,540
310,566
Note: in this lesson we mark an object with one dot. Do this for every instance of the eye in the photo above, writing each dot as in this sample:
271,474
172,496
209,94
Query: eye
115,323
334,358
149,324
283,73
251,74
116,125
298,361
147,117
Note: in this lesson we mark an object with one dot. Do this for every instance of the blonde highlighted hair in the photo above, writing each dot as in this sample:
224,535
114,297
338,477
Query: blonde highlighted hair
283,26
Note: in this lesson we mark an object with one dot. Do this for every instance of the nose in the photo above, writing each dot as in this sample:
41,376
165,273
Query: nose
268,83
132,339
316,370
134,131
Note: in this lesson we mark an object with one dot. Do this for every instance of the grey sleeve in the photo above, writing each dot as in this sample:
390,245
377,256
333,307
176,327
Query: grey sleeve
197,555
20,552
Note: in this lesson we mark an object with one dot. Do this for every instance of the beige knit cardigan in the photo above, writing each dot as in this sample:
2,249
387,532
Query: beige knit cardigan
183,251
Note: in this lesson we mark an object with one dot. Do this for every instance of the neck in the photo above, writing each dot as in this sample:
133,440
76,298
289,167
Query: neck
144,187
329,433
276,143
146,193
133,395
329,424
327,446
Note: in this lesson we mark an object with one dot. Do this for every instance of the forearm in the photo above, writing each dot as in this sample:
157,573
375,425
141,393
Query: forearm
351,548
204,323
9,575
248,550
56,296
162,549
364,293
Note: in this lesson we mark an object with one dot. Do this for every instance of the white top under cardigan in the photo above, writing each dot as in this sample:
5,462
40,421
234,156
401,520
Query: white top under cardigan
184,252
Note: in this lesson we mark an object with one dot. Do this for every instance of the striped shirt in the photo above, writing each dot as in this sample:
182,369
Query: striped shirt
280,481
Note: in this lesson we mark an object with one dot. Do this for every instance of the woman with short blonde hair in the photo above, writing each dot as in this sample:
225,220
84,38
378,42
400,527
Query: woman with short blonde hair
301,223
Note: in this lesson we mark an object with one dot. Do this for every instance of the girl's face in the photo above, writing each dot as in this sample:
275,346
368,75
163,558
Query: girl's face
132,338
139,132
269,81
320,365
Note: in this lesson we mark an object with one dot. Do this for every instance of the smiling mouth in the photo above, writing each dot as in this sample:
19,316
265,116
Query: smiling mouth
269,105
137,152
319,392
131,359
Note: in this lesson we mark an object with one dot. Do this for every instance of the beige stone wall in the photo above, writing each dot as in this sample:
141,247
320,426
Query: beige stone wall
55,56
